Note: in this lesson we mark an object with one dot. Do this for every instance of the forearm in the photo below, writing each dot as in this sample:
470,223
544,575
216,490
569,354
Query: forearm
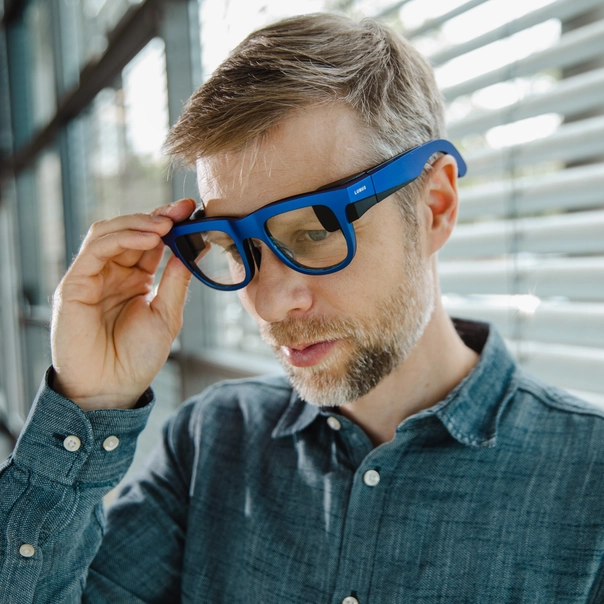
51,516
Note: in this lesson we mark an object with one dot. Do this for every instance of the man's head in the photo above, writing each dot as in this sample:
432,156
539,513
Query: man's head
300,104
315,60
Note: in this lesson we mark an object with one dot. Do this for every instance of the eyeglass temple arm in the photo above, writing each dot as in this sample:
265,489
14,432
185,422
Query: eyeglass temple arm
355,210
391,172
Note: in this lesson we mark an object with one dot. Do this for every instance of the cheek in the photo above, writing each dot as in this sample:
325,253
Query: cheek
247,296
367,279
380,259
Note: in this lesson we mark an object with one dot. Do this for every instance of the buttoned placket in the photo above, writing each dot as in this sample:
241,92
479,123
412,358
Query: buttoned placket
365,505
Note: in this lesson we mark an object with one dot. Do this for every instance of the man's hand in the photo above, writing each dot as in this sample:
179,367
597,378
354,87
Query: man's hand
110,336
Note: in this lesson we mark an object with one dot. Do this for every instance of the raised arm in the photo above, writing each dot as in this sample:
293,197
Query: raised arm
110,337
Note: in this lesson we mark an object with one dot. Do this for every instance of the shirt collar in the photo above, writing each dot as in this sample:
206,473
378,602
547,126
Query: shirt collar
470,412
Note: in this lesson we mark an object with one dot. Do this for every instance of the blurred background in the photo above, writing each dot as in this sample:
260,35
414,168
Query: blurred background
89,89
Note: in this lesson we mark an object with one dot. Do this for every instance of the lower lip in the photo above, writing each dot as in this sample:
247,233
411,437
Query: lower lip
310,356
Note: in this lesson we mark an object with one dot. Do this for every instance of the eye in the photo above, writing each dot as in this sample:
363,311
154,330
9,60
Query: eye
317,235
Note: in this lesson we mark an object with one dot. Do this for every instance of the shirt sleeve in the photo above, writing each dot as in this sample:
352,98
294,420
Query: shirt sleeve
147,523
51,508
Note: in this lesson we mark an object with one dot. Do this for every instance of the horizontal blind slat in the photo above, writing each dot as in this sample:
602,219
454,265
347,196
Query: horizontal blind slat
578,233
573,323
564,366
574,47
574,188
575,141
562,9
573,278
389,10
570,96
442,19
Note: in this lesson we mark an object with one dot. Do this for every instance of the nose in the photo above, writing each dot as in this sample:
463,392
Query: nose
276,290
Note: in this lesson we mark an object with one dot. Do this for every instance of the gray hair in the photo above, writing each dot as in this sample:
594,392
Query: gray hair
315,59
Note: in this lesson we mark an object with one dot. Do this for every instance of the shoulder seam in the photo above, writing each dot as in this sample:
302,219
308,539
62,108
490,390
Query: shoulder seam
552,398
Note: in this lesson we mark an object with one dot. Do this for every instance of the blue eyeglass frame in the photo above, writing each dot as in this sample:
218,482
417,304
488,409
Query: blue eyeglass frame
348,200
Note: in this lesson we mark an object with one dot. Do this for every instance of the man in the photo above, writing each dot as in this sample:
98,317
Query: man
413,461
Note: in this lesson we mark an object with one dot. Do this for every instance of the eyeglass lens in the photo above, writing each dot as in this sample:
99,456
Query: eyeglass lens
215,256
309,237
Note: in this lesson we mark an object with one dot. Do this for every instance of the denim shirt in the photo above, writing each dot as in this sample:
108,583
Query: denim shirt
493,495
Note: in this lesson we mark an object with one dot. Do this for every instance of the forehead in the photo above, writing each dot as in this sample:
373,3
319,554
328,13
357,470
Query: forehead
309,149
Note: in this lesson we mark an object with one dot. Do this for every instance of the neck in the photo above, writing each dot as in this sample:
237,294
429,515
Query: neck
439,361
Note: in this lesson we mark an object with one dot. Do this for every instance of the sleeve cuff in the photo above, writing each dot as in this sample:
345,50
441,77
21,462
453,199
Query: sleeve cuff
63,443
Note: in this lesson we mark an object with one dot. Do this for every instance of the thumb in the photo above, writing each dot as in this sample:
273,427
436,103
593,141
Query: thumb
169,301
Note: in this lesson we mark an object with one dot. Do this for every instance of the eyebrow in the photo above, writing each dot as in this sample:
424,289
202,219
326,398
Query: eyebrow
337,183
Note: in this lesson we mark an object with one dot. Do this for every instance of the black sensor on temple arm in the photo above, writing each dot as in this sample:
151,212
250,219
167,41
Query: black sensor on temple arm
200,212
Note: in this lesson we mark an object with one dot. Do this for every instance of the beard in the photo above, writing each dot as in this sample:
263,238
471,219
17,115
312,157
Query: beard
369,348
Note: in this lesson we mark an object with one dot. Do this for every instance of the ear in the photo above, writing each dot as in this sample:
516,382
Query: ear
440,202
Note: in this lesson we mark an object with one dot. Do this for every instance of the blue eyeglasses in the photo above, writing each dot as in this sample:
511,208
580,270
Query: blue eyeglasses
311,233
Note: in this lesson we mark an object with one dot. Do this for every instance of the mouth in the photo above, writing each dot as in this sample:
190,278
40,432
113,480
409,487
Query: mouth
308,354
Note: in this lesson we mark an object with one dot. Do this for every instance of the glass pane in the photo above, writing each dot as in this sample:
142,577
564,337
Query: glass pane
126,129
97,19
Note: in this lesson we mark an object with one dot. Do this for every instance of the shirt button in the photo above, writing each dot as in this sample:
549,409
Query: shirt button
350,600
371,478
27,550
333,422
111,443
72,443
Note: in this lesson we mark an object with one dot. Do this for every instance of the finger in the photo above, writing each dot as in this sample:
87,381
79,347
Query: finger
150,260
93,258
177,211
135,222
169,301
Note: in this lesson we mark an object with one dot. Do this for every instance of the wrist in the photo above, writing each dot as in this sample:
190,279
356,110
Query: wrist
102,400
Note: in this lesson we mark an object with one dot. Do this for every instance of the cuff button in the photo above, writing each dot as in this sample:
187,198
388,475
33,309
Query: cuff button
72,443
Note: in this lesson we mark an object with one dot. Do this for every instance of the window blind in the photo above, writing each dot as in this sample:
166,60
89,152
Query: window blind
528,251
523,82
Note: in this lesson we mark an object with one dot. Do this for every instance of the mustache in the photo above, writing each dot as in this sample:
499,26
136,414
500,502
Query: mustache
291,332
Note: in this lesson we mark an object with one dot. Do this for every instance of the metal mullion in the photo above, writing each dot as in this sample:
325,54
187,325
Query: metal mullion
19,82
10,326
180,32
